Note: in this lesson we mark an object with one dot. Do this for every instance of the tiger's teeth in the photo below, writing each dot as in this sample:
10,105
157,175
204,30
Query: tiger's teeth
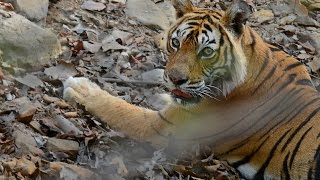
178,100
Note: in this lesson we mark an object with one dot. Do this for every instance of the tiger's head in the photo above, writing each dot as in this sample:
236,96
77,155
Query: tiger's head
205,55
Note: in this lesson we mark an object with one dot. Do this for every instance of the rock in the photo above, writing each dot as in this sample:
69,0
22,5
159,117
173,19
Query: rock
93,6
147,13
26,112
24,44
23,106
281,9
306,21
56,101
25,143
30,81
288,19
34,10
92,46
263,15
23,165
313,38
168,9
155,75
70,114
119,1
314,6
62,145
110,43
60,170
61,71
159,101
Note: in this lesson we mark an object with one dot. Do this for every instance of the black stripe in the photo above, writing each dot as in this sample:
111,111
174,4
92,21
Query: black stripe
264,65
196,18
271,72
233,58
285,168
252,38
215,16
221,40
311,172
207,27
164,119
218,13
317,169
305,82
296,148
292,66
213,41
260,173
289,80
205,33
193,24
300,127
247,158
285,58
274,49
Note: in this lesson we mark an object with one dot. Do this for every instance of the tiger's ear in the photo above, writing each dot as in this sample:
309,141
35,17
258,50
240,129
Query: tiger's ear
236,16
182,7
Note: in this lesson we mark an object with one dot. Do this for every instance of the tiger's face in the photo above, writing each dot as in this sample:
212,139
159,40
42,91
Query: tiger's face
204,55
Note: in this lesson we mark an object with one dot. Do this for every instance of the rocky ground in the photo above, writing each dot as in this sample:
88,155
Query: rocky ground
115,43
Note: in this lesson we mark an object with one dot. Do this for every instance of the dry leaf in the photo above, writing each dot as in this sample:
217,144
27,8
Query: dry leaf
30,81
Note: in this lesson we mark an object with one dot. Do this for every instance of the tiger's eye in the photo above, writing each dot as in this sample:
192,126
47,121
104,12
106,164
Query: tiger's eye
175,43
206,52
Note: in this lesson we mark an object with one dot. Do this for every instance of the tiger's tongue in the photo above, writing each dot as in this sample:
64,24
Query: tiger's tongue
180,93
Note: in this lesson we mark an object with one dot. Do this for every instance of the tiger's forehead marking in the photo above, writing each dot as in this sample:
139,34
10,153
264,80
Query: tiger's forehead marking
201,28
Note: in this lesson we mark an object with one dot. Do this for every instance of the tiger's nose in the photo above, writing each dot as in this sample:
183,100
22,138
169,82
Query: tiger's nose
177,79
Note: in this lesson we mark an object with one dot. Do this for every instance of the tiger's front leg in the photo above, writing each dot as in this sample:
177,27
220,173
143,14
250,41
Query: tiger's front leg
137,122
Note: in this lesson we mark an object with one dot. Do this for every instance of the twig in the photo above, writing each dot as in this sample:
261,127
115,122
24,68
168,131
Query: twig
129,81
64,124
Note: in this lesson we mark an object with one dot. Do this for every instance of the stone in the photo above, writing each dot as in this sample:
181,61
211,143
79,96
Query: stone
93,6
155,75
306,21
25,143
119,1
60,170
26,112
168,9
23,166
62,145
147,13
34,10
24,44
315,6
263,15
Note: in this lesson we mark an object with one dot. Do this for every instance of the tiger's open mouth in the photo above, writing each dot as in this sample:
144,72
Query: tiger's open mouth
184,98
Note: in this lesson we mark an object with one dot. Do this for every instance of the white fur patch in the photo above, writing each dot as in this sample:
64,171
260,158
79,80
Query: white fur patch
248,171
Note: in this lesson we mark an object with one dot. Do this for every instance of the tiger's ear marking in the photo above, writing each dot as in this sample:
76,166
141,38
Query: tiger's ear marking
236,16
182,7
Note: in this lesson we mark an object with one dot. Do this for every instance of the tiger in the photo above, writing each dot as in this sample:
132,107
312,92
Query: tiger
254,104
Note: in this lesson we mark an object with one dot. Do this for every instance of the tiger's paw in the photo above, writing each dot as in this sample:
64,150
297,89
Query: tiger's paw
79,90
